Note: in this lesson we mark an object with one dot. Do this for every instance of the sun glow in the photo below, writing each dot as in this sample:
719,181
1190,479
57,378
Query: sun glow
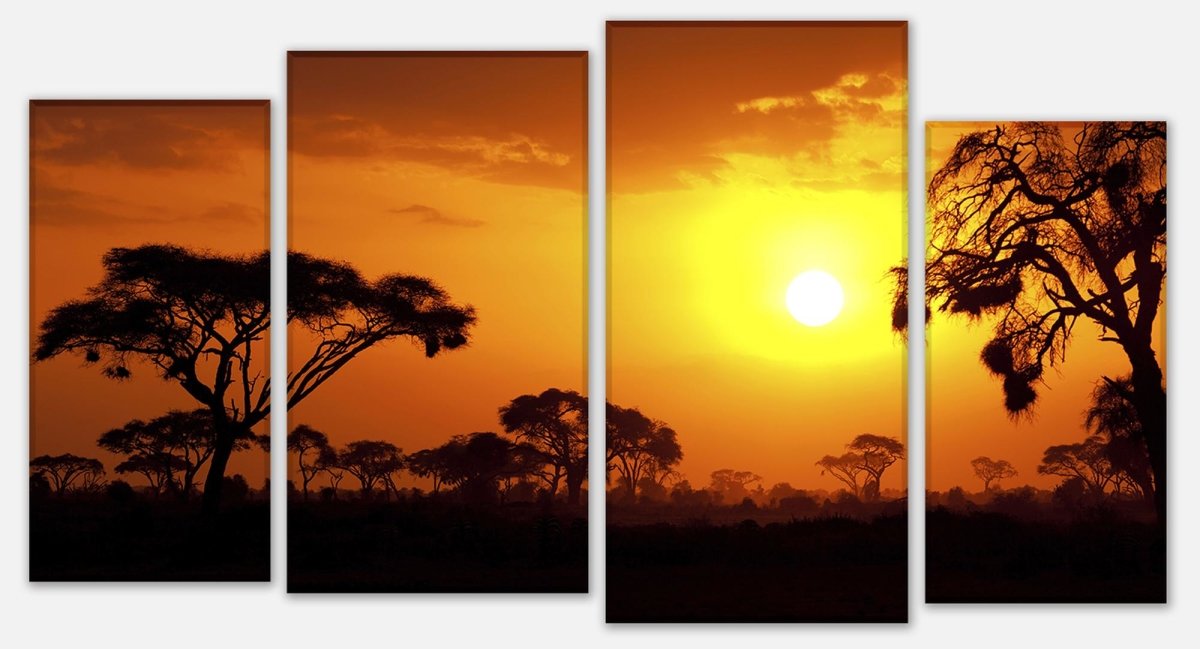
815,298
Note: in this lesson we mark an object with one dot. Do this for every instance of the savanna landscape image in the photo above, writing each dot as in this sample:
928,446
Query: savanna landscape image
437,435
149,306
1045,274
756,417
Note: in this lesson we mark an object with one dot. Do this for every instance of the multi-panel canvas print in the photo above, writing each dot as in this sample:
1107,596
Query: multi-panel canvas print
437,435
149,308
756,404
1045,275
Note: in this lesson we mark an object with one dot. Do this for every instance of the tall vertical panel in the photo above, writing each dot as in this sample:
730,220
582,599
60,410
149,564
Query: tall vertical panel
150,308
757,392
437,360
1046,267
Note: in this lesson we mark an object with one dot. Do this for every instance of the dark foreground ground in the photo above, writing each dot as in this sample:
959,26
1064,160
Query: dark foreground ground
99,540
992,558
823,570
429,547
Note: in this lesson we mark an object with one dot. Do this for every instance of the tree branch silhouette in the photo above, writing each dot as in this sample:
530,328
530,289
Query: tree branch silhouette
1034,232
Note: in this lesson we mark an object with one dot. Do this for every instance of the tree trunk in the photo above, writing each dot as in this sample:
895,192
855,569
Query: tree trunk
189,481
1150,401
211,502
574,486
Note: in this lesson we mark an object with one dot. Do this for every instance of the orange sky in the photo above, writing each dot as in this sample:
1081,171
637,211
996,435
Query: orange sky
107,174
739,156
965,413
469,169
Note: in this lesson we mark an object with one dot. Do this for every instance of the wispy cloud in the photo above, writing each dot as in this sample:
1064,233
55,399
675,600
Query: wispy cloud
62,206
168,140
433,216
347,136
854,96
766,105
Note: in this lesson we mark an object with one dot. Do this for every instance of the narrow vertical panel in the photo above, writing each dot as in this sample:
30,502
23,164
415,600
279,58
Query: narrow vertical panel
1046,268
437,348
757,420
150,308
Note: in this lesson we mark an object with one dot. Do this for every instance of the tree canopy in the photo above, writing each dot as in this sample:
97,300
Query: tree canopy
990,470
554,425
312,448
639,448
1086,460
477,462
347,314
372,463
68,471
868,457
877,453
846,468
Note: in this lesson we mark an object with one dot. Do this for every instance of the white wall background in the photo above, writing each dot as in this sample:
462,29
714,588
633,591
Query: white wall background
1008,59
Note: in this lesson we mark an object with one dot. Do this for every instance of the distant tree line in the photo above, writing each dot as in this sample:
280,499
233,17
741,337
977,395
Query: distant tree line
643,453
169,452
1111,462
543,450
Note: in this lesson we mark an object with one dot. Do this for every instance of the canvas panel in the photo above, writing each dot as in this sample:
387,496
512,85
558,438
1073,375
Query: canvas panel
437,349
756,417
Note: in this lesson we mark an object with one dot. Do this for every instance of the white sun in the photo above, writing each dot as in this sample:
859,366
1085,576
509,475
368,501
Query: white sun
815,298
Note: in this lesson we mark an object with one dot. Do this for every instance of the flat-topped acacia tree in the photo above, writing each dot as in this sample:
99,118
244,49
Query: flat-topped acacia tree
200,318
989,470
554,426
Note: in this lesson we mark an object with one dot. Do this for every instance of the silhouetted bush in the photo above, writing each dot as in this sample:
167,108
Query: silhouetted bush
39,487
235,489
120,492
800,504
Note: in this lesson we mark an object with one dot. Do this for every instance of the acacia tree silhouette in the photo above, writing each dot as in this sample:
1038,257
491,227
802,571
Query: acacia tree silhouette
877,453
846,467
302,440
433,463
63,470
990,470
554,425
1087,461
327,461
732,483
639,447
158,468
177,442
198,316
477,462
1037,232
371,462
